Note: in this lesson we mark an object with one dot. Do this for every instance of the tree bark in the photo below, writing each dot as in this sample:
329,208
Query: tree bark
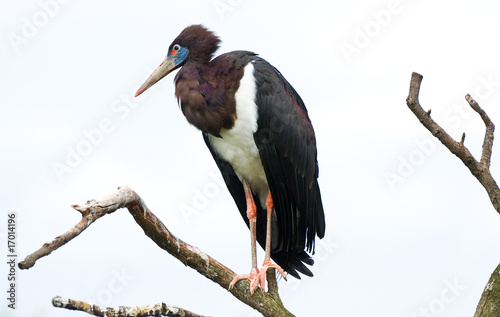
157,310
269,304
480,169
489,304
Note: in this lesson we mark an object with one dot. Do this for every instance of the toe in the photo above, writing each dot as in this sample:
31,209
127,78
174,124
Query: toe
236,279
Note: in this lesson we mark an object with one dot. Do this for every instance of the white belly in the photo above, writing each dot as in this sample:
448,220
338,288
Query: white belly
237,145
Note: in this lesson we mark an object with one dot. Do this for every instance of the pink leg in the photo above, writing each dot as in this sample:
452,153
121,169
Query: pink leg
267,259
252,218
255,276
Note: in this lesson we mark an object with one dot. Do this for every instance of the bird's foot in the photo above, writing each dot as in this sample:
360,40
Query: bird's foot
257,277
268,265
253,277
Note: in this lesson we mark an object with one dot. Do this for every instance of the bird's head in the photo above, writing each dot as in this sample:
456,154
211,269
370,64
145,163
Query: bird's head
195,43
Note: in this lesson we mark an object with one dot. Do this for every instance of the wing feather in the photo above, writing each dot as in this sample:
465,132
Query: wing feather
287,146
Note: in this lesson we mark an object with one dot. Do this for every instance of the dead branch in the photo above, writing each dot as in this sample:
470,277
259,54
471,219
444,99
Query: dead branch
480,169
489,304
269,304
490,129
105,206
157,310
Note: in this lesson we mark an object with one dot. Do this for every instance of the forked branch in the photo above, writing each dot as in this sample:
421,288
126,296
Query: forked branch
489,304
269,304
480,169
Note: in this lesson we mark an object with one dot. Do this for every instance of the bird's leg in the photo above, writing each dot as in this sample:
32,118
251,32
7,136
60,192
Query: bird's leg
269,207
253,276
252,218
267,259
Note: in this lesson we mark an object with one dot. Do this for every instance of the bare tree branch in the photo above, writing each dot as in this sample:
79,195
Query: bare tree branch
490,129
269,304
157,310
489,304
107,205
481,169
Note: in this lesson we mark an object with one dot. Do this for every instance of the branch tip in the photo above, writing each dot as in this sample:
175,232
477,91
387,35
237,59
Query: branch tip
416,76
488,135
416,80
81,209
480,169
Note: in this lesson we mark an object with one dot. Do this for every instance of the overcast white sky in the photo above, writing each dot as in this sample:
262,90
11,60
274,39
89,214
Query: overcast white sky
410,232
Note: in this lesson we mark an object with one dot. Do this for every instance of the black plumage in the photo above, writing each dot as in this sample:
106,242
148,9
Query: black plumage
285,139
287,147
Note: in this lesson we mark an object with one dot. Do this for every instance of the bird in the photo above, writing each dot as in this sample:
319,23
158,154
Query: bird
260,136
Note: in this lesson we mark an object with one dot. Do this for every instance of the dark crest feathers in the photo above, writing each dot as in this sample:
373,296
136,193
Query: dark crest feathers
200,42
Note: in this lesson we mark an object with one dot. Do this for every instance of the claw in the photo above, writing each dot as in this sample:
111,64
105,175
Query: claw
268,265
257,278
252,277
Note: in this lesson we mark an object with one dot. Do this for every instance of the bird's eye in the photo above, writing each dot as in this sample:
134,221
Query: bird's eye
175,49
